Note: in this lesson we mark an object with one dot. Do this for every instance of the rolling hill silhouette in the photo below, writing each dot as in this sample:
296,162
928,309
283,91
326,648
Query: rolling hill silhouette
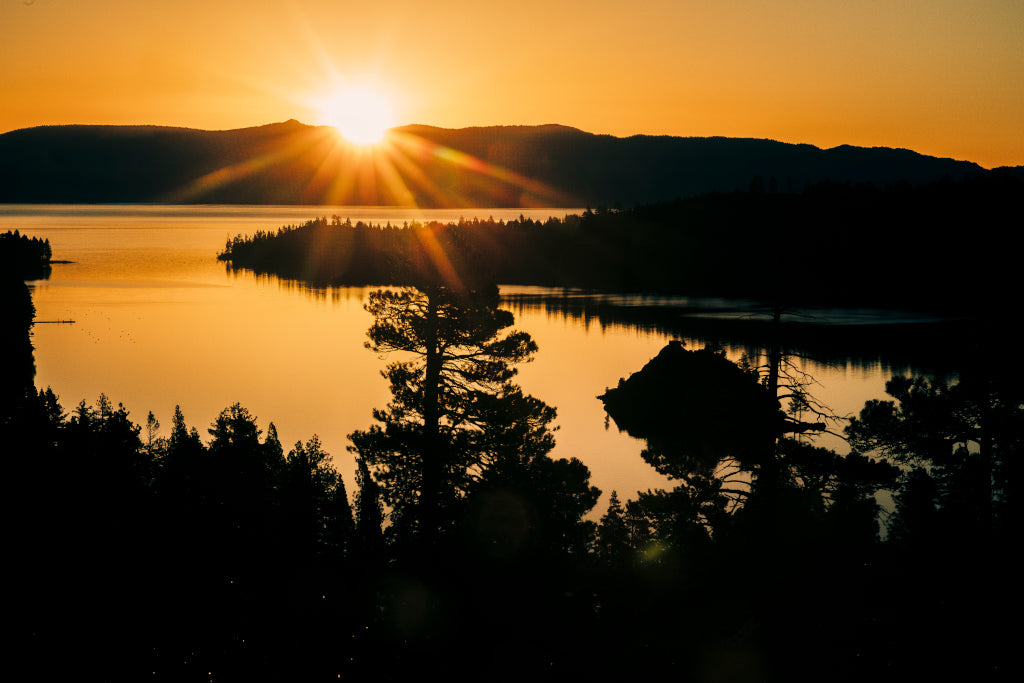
498,166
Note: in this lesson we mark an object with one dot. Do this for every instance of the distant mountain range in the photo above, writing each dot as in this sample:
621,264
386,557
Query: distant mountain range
498,166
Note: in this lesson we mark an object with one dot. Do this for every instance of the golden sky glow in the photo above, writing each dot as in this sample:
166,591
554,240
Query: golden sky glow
943,77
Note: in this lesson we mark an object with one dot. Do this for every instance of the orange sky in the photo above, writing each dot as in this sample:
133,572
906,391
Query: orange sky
943,77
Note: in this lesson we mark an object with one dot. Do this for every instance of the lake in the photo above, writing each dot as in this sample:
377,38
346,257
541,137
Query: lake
159,322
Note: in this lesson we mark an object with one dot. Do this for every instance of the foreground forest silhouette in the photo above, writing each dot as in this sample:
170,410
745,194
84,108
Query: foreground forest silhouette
466,549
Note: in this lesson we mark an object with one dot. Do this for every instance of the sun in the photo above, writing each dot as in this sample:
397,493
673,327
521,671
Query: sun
361,114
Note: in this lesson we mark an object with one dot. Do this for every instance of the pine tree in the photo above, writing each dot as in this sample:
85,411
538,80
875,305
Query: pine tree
613,546
430,442
369,519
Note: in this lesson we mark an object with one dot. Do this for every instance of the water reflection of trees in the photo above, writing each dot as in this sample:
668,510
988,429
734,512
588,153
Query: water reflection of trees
876,340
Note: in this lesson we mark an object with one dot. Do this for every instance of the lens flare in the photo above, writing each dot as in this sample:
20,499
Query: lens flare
360,114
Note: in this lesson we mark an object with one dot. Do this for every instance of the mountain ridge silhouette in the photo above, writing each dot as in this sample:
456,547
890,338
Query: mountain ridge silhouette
486,166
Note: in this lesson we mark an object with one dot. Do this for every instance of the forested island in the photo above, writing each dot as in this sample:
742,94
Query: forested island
939,246
467,549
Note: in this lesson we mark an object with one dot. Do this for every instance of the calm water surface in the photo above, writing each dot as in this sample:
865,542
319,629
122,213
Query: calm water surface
159,322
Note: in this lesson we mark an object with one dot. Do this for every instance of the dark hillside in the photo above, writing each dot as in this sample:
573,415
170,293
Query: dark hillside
551,165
